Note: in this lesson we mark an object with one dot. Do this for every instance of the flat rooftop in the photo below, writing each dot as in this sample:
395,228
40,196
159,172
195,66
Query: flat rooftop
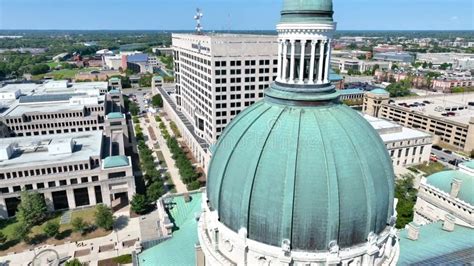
55,87
436,246
391,132
50,96
437,105
20,109
33,151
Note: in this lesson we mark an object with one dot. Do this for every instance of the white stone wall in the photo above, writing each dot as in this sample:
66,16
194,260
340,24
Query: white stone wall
433,205
223,246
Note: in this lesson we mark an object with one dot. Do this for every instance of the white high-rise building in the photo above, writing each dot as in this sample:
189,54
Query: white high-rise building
217,76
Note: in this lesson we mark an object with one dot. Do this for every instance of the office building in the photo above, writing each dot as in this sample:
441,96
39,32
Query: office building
70,170
450,118
395,57
406,146
57,107
217,76
446,85
345,65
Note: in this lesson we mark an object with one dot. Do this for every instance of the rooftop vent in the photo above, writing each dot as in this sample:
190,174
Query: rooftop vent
449,222
6,152
455,187
61,146
413,231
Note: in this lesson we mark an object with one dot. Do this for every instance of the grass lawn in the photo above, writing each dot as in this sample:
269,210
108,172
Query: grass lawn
65,73
124,259
66,234
52,65
431,168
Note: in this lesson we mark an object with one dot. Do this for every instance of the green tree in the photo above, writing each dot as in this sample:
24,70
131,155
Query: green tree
32,209
155,190
395,66
145,81
73,262
139,204
445,66
352,46
3,238
78,225
133,108
399,89
51,229
104,217
157,101
406,195
22,231
194,185
39,69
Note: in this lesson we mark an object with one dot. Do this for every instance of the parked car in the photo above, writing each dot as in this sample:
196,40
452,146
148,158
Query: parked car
436,147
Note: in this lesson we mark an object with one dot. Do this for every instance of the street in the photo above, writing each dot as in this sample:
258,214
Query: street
444,157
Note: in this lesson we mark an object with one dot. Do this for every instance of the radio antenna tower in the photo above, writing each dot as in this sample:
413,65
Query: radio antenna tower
198,18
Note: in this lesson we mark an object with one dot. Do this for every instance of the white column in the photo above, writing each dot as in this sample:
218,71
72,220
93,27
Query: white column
91,192
71,201
328,61
3,209
292,62
285,61
321,58
303,51
311,62
48,198
280,53
106,196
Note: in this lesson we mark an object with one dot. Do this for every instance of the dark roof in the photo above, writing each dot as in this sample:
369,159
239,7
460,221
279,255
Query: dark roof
48,98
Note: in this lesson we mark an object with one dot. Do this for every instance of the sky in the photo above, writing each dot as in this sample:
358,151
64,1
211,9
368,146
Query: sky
228,14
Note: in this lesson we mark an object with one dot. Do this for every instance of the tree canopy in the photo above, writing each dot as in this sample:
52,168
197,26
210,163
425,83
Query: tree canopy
32,209
399,89
406,195
104,217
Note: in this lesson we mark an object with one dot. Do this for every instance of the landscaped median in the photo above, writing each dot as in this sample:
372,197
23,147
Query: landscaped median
188,173
156,186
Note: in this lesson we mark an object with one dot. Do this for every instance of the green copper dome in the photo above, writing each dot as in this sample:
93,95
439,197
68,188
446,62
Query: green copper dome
307,11
307,173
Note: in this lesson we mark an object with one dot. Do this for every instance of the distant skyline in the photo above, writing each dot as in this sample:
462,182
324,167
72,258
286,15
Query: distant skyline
228,14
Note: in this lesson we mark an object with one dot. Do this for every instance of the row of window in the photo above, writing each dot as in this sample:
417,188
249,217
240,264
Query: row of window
58,131
55,125
50,184
50,170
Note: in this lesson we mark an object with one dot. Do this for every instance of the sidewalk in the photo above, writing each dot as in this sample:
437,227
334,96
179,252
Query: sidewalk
172,169
119,241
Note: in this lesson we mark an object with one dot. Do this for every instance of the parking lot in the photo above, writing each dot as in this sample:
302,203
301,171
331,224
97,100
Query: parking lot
141,94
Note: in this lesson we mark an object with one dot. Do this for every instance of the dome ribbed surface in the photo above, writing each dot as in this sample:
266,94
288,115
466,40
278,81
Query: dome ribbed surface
307,174
307,11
